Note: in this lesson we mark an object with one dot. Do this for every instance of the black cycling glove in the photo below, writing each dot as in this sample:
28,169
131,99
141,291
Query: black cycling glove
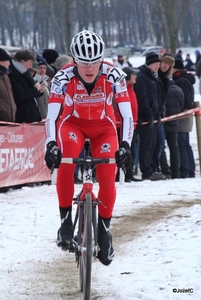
123,155
53,155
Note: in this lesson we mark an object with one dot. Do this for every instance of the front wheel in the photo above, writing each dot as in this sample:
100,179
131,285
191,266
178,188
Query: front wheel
86,252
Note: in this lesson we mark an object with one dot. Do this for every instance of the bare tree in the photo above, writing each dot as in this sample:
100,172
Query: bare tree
170,15
48,23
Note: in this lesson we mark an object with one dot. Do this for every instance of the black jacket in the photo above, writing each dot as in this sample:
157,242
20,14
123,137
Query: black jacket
164,85
174,105
149,91
25,95
198,69
185,81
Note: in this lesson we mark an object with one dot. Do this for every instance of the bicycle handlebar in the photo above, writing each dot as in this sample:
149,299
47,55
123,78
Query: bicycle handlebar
88,160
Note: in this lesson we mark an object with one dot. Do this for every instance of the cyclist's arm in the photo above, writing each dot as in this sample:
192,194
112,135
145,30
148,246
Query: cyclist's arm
54,110
55,104
127,120
121,97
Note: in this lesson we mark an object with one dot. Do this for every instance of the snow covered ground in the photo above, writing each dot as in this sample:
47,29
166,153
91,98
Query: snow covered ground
156,231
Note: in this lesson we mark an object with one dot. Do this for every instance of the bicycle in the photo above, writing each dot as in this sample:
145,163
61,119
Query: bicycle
85,240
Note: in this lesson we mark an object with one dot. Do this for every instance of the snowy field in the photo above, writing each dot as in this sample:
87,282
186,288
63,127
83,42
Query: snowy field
156,231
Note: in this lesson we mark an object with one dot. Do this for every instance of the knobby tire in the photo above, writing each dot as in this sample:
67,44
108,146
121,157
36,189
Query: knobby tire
86,256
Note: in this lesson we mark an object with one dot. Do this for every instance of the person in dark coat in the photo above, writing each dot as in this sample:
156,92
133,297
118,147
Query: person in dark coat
185,81
148,96
198,56
164,72
25,88
179,55
198,74
188,64
174,105
7,102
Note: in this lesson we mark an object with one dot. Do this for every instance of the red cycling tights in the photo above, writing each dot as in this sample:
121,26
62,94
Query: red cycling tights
104,143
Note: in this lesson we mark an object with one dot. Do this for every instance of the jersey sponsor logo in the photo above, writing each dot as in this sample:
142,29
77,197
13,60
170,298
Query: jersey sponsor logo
68,100
80,87
58,90
105,148
54,96
72,136
123,84
56,82
98,89
93,98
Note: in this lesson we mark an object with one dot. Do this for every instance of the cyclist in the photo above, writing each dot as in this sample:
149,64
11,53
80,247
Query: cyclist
80,106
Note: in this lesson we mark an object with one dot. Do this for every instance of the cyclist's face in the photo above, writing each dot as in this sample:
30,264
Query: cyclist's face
88,71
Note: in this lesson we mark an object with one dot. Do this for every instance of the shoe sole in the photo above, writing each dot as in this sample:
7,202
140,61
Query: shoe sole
64,245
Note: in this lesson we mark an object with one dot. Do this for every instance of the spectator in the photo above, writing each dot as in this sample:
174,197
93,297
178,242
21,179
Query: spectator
51,55
120,63
198,73
188,64
131,75
174,105
114,60
179,55
164,72
34,68
147,91
128,62
185,81
25,89
7,102
42,78
62,60
198,56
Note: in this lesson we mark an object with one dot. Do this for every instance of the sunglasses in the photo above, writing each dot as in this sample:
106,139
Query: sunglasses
86,64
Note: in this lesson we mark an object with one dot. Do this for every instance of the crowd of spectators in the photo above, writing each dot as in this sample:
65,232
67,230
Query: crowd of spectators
163,86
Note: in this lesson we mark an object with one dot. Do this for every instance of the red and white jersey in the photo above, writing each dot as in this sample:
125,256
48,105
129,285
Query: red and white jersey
70,93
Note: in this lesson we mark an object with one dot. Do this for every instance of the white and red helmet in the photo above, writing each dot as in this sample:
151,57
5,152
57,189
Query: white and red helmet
87,46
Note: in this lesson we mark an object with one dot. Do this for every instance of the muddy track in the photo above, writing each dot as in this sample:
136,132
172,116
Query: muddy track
58,279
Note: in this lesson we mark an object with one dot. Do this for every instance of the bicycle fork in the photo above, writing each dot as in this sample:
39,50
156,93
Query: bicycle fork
77,238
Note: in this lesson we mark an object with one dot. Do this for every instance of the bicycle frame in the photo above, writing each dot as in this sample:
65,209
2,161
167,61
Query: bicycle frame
86,202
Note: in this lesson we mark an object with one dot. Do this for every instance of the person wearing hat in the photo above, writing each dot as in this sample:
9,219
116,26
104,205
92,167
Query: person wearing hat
185,81
188,63
120,62
148,90
62,60
179,55
198,56
165,71
43,79
51,55
173,105
7,102
25,88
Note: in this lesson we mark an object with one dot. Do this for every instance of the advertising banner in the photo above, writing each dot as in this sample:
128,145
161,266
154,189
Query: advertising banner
22,150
